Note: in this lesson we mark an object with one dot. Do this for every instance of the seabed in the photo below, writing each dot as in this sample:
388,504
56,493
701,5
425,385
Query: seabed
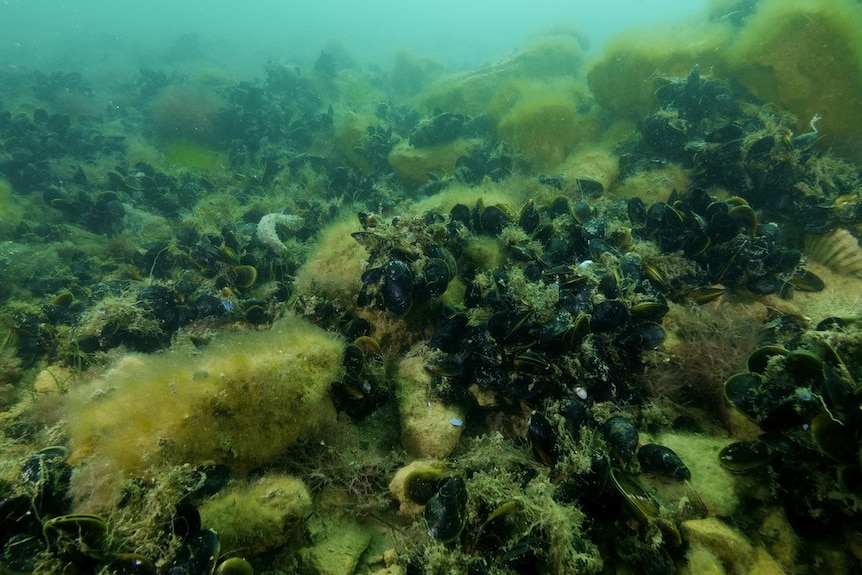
557,314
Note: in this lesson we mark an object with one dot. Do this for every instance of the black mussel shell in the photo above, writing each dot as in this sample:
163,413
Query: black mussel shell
437,276
758,360
631,265
650,310
446,366
743,391
587,488
642,505
608,315
423,483
186,519
76,533
745,456
808,508
559,207
509,326
636,211
764,284
642,337
20,552
461,214
356,327
256,311
543,439
588,188
492,220
209,479
583,213
832,324
244,276
17,518
805,280
577,417
835,439
701,295
397,287
622,438
446,512
661,460
609,286
353,361
806,369
529,218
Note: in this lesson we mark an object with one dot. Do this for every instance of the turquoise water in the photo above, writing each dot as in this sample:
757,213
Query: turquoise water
92,34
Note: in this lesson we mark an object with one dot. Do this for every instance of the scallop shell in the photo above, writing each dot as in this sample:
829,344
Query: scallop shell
837,250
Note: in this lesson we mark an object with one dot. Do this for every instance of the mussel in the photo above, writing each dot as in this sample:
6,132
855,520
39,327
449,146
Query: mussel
446,512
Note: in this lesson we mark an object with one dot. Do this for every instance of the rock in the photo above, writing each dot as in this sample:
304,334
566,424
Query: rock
730,546
764,564
241,401
338,545
414,164
53,380
257,516
331,273
623,79
806,57
429,427
779,537
546,58
700,561
407,506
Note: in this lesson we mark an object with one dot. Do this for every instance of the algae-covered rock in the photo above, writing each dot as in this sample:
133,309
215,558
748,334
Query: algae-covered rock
429,427
332,273
807,57
701,561
338,544
413,165
781,540
624,79
398,488
730,546
540,121
349,130
547,57
241,401
255,517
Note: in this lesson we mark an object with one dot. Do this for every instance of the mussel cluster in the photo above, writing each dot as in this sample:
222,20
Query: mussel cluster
36,524
750,151
559,325
569,312
727,242
808,403
193,278
30,143
594,470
